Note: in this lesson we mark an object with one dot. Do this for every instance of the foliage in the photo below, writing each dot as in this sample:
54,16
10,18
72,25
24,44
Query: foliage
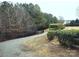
53,28
56,26
67,38
73,23
51,35
22,19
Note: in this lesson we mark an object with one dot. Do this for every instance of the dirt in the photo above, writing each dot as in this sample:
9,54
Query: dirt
14,48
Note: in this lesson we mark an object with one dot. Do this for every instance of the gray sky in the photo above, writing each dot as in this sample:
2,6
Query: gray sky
64,8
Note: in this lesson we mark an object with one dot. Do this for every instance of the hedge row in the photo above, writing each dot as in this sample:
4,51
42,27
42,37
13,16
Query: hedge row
56,26
67,38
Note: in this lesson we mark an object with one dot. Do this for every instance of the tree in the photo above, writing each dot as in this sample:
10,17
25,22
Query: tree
74,22
55,20
22,19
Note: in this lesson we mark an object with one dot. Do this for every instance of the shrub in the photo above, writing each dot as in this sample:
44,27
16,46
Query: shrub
68,38
53,28
50,35
56,26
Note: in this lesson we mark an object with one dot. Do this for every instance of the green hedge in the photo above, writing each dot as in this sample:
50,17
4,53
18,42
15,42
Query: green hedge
67,38
51,34
56,26
53,28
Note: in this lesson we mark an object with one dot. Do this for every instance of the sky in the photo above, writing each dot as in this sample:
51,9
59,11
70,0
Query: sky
65,8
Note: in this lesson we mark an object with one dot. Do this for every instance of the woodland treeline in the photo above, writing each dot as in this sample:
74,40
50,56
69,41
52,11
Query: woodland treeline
73,23
22,19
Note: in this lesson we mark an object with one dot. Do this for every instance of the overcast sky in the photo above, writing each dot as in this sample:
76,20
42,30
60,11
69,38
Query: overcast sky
64,8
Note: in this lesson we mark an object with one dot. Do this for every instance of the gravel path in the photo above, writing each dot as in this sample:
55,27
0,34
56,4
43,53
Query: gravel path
12,48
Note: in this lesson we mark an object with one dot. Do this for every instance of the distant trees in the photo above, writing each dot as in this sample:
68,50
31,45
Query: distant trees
23,19
73,23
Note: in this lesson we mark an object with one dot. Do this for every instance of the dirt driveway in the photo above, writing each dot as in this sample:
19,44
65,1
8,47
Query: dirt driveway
13,48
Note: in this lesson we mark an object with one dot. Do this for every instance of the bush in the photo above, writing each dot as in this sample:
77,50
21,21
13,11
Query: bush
50,35
53,28
56,26
68,38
